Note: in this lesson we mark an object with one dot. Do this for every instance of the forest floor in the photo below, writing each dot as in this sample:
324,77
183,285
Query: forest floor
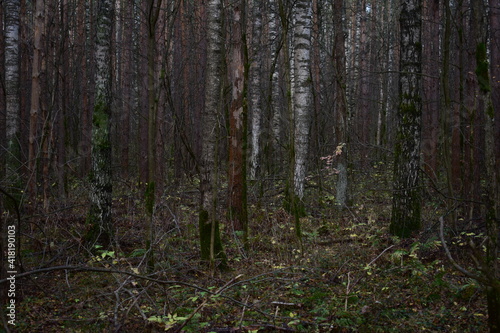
349,274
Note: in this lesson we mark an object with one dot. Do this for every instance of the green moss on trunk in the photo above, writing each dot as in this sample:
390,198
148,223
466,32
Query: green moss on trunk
205,227
482,68
96,232
295,206
149,198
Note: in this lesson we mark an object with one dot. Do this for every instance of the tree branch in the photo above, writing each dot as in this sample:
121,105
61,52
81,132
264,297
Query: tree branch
453,262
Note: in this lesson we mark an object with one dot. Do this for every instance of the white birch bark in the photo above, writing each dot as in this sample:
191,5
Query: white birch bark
302,90
212,106
406,207
210,243
255,88
100,175
12,124
275,105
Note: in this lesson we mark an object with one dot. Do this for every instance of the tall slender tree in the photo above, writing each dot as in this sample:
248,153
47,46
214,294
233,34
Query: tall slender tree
492,198
100,177
152,19
430,88
255,100
238,122
2,101
341,129
406,206
12,97
302,94
301,106
210,242
35,95
84,98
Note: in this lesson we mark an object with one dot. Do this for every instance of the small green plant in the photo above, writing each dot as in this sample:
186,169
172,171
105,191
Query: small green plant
169,320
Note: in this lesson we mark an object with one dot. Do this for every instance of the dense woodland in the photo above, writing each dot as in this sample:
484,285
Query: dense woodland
250,166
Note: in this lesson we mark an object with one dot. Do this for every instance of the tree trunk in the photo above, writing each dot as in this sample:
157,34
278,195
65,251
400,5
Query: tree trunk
447,119
430,87
302,92
237,124
2,101
126,72
302,103
255,88
12,124
341,129
492,198
210,242
85,121
100,177
406,195
35,97
495,70
275,103
152,18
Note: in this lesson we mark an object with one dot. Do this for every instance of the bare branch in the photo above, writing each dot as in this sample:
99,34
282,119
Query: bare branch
453,262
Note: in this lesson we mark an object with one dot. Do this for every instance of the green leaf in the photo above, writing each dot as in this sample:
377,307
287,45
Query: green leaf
137,253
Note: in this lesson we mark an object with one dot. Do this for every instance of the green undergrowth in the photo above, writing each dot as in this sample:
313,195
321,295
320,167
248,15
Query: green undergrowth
349,275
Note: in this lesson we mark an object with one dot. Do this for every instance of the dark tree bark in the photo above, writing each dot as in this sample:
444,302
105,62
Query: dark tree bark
430,88
406,208
127,87
492,197
84,104
150,194
494,21
35,97
238,123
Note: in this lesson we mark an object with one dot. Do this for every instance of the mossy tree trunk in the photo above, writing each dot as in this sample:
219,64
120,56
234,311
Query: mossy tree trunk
100,177
406,206
210,242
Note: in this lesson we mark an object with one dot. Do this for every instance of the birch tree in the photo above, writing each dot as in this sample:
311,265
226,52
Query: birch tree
210,242
406,206
12,98
302,95
274,103
302,101
255,88
100,177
